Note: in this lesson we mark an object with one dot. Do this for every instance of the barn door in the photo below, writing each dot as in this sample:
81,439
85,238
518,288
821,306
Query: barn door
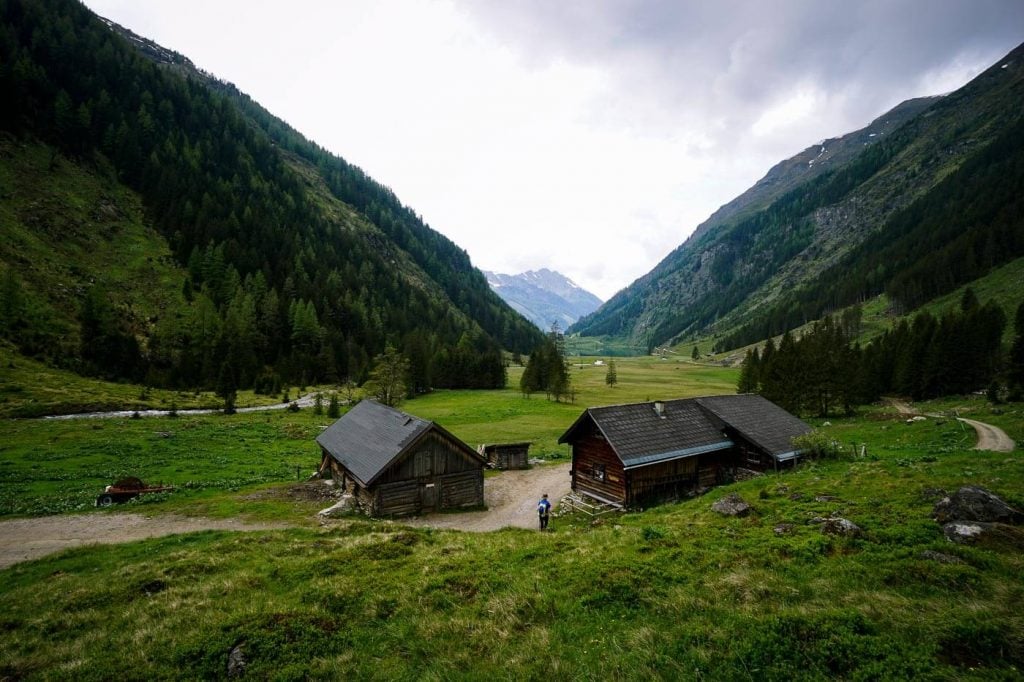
428,496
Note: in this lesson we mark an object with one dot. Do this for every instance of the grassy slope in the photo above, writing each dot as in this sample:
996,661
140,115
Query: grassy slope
65,227
674,592
1004,284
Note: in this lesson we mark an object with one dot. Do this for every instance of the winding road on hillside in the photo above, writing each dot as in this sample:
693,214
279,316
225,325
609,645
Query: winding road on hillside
990,437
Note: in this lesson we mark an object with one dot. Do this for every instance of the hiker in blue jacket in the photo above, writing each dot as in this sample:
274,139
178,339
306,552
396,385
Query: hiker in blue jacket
544,510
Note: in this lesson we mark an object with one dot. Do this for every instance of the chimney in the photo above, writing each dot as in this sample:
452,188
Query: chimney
659,408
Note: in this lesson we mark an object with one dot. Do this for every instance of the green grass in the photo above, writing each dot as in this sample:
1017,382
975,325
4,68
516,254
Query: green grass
506,416
49,467
29,388
53,466
673,592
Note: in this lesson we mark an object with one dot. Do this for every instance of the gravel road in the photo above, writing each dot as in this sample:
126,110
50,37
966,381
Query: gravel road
511,499
26,539
990,437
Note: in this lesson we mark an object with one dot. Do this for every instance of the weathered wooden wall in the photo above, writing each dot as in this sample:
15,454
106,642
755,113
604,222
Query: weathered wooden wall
436,474
590,451
435,455
662,480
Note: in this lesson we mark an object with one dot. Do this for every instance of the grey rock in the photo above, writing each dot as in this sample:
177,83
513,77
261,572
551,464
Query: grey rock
840,526
236,661
975,504
964,532
346,505
731,505
783,529
941,558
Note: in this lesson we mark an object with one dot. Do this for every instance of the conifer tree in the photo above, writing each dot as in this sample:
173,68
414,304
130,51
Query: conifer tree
611,377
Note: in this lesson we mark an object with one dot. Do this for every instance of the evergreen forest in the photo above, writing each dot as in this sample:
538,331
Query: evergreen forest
297,267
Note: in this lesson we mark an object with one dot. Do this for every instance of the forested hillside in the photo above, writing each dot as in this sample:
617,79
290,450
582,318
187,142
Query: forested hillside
279,261
921,208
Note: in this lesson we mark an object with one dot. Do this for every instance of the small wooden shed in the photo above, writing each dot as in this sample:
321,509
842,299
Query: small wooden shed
628,455
396,464
506,455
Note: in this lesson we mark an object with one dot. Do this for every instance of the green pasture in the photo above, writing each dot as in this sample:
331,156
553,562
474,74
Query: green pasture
52,466
672,592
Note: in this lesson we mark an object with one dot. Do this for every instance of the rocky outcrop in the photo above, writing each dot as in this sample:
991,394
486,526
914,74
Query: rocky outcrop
972,515
975,504
731,505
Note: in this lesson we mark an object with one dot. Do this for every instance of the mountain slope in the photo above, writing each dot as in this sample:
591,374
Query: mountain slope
544,297
295,262
744,265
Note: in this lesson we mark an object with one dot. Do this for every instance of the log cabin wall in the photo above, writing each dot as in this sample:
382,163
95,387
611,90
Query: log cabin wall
434,456
596,469
660,481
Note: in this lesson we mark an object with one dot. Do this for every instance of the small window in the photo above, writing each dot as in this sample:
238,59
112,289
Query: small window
597,472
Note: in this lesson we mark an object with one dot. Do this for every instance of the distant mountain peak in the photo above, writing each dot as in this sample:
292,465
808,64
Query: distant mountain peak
544,296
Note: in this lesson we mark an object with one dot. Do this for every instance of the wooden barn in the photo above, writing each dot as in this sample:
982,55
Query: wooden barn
506,455
396,464
629,455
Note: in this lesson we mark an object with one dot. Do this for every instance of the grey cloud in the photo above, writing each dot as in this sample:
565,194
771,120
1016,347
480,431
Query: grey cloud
732,57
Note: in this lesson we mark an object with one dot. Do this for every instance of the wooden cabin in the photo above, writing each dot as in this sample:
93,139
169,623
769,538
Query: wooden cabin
630,455
396,464
506,455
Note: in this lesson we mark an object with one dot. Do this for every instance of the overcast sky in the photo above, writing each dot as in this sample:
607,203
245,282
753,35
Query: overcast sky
588,137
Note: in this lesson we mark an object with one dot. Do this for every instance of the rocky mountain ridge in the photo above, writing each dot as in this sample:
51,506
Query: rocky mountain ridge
544,297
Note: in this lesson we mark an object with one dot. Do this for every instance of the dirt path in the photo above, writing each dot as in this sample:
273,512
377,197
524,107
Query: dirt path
511,499
26,539
990,437
302,401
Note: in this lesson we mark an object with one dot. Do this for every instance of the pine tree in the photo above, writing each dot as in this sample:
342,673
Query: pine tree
611,377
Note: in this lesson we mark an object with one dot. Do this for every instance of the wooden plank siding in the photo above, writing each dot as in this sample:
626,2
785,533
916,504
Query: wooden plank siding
434,475
596,469
434,456
661,480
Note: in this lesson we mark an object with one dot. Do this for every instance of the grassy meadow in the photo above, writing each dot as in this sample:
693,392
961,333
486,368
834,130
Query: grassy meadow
55,466
671,592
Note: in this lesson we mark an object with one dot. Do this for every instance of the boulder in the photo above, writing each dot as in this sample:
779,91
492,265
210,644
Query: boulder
731,505
975,504
839,526
783,529
963,532
236,662
940,557
346,505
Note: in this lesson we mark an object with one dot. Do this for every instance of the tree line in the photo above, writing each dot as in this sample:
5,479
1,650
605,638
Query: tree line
823,372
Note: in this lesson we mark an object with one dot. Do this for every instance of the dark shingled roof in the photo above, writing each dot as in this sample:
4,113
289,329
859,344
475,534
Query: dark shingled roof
640,435
370,436
758,420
